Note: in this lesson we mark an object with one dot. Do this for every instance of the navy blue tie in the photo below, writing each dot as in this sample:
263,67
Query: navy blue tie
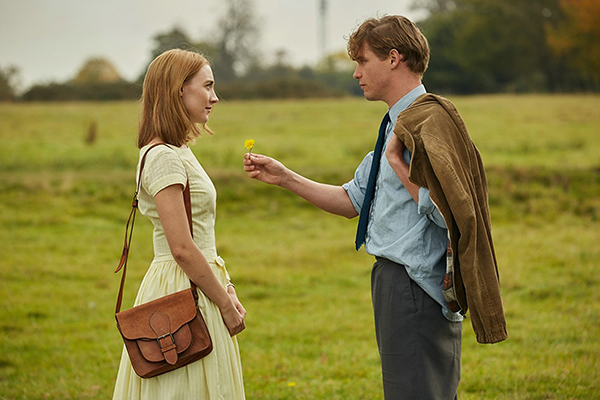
363,220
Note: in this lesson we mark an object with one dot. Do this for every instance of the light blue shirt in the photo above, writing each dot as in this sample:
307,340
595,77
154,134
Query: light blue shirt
400,229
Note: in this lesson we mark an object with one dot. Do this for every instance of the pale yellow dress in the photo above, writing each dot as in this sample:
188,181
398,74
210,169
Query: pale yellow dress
218,375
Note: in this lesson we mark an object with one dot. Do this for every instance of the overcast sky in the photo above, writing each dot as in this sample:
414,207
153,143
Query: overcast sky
49,40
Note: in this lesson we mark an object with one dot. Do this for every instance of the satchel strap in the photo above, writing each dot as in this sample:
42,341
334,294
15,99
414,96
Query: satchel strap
131,221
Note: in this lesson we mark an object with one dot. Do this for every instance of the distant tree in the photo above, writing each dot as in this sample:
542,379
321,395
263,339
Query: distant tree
177,38
335,71
434,6
97,70
281,68
337,62
121,90
174,39
576,36
96,80
232,50
237,35
489,45
8,83
207,49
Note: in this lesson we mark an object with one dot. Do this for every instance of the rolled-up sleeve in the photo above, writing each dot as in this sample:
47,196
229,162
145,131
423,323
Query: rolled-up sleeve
428,208
356,187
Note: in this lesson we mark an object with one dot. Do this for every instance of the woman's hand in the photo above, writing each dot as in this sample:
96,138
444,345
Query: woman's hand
236,302
233,319
264,169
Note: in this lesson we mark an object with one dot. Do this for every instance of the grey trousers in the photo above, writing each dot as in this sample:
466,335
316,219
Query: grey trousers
419,347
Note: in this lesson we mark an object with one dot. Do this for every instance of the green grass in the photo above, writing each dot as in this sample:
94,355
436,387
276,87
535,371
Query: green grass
63,206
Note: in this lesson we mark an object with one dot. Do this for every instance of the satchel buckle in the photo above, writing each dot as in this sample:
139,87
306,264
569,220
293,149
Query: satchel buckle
164,336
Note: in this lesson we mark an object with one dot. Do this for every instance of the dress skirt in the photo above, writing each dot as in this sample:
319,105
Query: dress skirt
216,376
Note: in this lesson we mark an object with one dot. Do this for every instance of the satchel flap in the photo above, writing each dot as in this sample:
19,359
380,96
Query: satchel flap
151,350
134,323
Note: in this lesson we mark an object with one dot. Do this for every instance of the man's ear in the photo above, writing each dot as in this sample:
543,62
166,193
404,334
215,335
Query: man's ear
395,58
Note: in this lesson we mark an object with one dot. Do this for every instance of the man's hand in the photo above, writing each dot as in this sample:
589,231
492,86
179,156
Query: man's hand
264,169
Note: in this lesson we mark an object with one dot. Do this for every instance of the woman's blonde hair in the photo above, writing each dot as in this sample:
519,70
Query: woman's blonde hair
163,112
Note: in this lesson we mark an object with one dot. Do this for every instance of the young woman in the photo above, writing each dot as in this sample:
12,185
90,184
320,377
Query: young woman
178,96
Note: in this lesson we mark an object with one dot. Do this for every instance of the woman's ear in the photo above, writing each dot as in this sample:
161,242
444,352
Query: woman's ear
181,91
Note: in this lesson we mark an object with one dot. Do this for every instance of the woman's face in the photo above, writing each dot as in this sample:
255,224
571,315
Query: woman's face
198,95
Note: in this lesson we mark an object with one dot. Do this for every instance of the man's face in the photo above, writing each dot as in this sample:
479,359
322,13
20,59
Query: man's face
372,73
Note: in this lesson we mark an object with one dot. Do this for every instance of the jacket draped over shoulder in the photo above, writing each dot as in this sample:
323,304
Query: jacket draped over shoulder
446,161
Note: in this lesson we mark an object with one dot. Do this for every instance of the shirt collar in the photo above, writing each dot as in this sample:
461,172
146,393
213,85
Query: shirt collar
405,101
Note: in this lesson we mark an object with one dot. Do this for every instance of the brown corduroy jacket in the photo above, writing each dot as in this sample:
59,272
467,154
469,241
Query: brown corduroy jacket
446,161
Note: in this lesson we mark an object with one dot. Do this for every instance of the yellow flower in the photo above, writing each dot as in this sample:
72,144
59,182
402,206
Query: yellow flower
291,384
249,144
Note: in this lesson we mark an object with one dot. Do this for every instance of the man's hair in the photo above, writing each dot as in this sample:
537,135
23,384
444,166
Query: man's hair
163,112
392,32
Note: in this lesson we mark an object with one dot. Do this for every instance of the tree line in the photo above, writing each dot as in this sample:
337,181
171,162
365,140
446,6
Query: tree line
486,46
477,46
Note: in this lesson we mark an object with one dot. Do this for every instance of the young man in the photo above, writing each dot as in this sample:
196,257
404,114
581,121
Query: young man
413,219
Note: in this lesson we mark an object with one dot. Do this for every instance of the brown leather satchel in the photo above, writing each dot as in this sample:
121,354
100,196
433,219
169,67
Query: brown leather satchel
166,333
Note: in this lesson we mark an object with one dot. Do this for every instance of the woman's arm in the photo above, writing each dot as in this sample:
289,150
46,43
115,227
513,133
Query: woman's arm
171,210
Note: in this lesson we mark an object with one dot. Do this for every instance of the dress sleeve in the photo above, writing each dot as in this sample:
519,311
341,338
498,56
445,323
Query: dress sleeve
163,168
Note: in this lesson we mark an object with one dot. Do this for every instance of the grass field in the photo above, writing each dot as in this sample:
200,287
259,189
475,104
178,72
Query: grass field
63,206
